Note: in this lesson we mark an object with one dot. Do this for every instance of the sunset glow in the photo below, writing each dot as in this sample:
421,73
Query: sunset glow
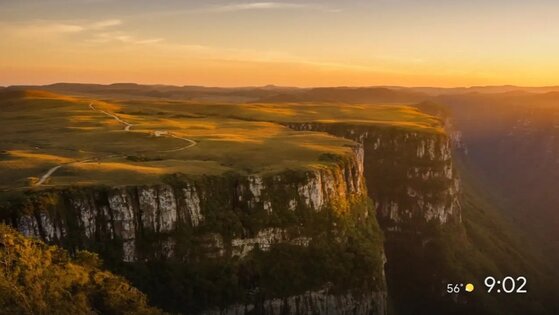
297,43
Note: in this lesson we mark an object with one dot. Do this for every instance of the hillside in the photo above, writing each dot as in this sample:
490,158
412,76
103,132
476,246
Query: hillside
266,94
279,94
132,90
377,95
43,131
39,279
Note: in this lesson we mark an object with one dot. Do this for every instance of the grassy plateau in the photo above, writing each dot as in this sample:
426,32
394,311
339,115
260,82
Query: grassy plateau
50,139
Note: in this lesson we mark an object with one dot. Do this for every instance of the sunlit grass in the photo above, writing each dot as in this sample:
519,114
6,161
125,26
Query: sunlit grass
43,130
108,167
42,157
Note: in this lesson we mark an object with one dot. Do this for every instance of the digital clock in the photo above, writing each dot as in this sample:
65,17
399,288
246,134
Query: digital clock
506,285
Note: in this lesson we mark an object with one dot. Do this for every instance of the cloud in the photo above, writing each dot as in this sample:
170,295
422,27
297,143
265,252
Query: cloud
49,27
148,41
100,31
233,7
259,6
105,24
92,35
123,38
58,28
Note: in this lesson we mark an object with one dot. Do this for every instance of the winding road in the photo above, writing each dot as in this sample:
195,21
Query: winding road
47,175
54,169
127,127
191,143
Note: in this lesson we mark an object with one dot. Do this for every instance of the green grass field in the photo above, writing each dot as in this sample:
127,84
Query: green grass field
400,116
42,130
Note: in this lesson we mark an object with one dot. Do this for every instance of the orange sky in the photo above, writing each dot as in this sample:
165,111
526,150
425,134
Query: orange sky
314,43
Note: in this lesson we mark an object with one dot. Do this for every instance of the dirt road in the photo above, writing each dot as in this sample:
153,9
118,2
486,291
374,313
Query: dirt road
127,127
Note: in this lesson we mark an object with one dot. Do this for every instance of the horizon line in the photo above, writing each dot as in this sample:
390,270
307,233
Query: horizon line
271,85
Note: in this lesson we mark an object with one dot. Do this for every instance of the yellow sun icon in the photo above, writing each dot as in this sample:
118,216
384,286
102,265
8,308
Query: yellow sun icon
469,287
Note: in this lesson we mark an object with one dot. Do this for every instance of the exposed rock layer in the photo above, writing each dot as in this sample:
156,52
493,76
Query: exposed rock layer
411,177
409,174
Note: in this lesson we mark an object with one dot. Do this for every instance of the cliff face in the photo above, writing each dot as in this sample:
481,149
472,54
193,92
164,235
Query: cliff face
412,180
231,220
409,174
315,302
125,214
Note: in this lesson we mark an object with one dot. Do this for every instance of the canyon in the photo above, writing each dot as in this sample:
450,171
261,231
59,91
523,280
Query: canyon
278,209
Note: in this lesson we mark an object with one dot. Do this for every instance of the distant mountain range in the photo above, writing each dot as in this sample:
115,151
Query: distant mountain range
277,94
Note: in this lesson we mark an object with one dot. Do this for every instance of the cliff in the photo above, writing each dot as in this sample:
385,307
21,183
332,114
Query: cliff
290,242
410,174
411,178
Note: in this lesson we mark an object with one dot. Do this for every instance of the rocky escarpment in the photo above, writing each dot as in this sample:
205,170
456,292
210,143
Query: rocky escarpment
411,177
244,228
313,302
409,174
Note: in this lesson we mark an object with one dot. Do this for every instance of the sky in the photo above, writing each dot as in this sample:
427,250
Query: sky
289,43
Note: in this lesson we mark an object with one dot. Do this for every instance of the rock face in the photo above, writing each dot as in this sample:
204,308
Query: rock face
412,180
410,174
221,217
312,302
